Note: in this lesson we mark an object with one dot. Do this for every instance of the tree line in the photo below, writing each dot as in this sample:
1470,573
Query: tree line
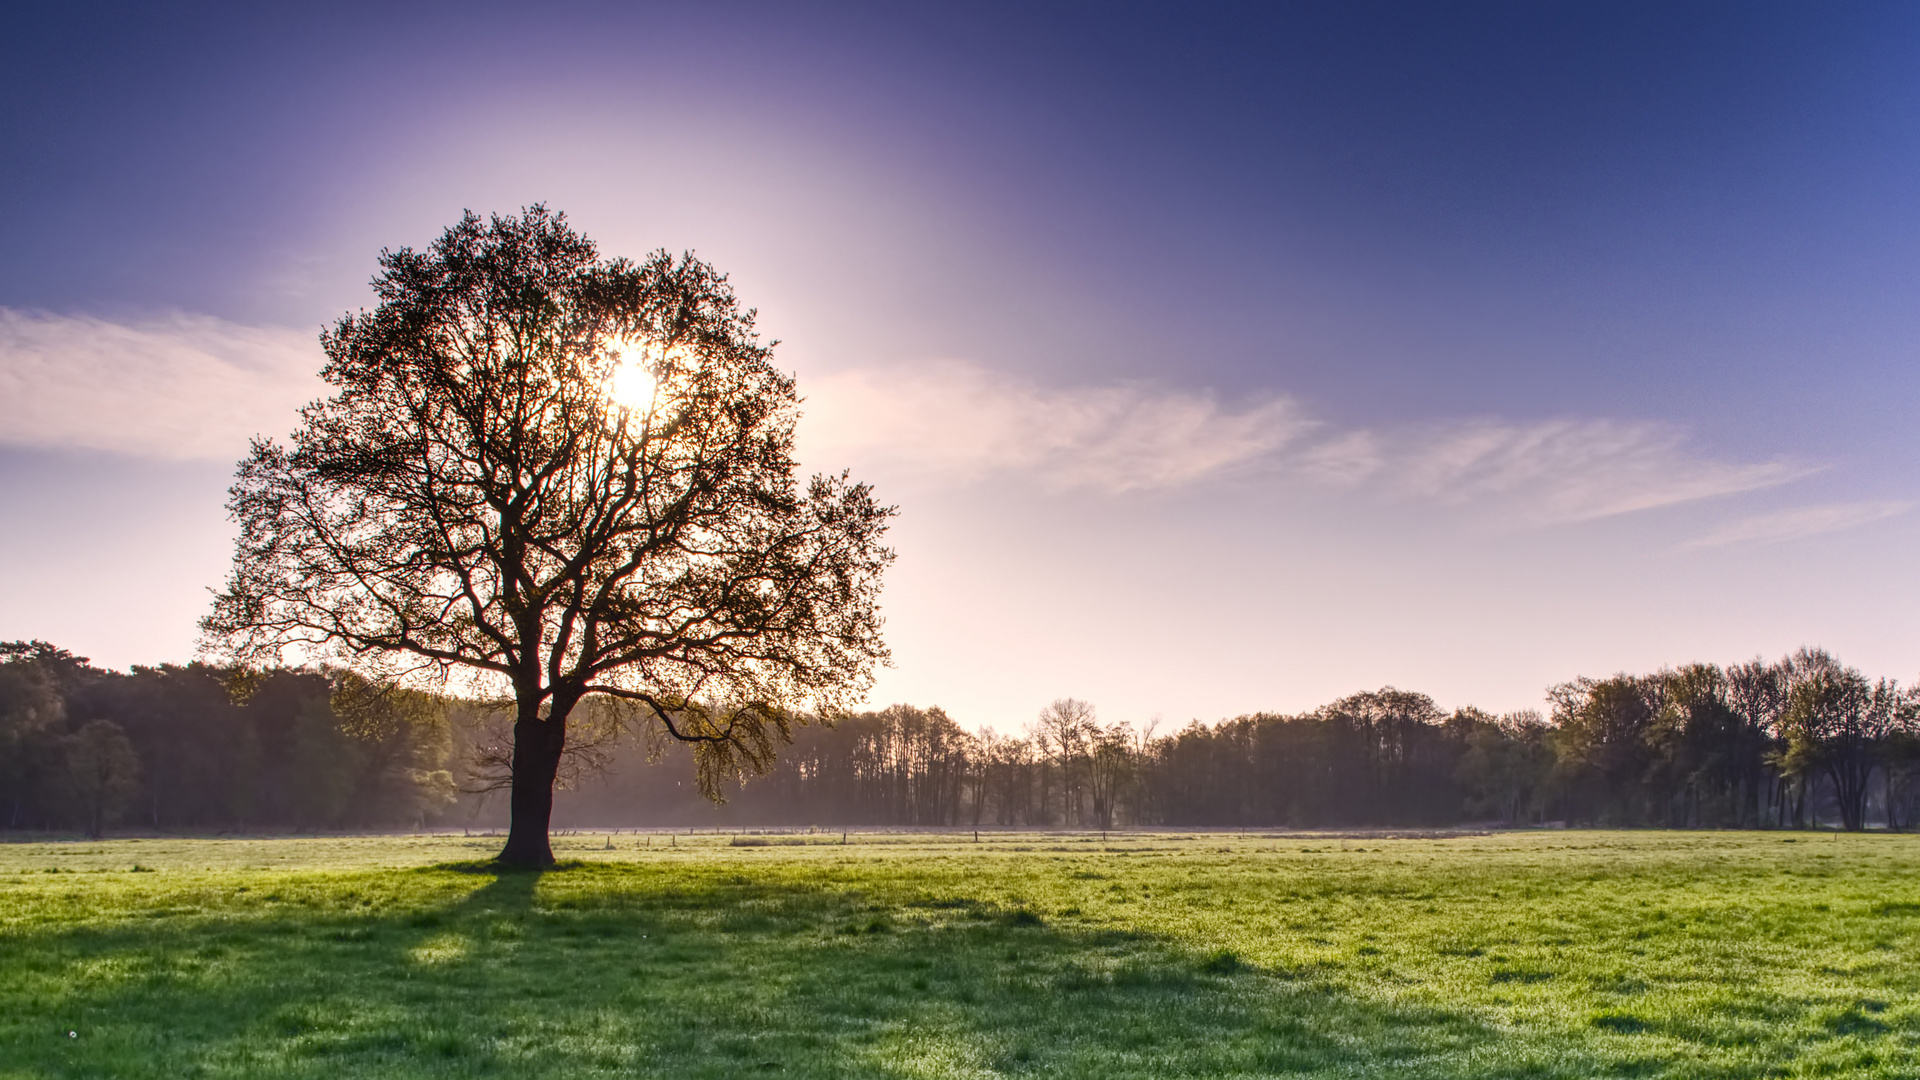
196,748
1800,742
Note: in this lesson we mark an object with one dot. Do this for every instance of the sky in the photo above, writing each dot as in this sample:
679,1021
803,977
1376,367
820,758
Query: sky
1220,358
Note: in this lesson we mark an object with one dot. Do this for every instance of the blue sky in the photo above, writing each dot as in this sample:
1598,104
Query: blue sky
1219,357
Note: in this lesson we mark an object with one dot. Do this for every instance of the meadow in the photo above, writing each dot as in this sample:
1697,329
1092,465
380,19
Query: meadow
1537,954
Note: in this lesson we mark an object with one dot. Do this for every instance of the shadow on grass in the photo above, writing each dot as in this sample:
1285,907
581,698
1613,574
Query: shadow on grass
599,970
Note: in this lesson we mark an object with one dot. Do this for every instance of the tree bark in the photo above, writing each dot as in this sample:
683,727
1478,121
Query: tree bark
537,745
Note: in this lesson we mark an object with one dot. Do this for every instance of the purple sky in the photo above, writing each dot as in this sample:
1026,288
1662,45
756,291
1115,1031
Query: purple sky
1219,358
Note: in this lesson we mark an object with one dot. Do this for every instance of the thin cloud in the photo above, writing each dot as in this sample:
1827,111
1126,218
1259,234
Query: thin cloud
1573,470
181,387
959,422
1801,521
195,387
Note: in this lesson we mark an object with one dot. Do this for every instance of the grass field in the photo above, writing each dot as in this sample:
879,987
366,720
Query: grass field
1563,954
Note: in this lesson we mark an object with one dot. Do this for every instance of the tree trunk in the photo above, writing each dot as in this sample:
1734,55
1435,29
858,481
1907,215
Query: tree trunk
537,745
1850,785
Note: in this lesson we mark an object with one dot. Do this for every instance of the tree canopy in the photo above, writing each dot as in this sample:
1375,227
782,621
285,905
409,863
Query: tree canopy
552,475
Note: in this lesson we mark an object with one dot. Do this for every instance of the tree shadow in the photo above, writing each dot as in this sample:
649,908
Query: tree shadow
606,970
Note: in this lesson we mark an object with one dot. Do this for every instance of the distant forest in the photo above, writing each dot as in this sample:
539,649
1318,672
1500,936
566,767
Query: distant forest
1802,742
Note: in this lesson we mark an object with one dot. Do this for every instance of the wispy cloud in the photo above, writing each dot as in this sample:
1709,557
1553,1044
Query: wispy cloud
960,422
180,387
190,386
1569,470
1799,522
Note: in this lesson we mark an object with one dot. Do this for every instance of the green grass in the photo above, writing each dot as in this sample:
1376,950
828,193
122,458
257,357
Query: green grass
1541,955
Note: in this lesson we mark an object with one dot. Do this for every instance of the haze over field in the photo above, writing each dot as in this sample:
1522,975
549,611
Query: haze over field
1218,361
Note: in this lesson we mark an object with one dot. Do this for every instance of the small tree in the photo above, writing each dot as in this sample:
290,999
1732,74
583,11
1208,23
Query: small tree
102,774
558,476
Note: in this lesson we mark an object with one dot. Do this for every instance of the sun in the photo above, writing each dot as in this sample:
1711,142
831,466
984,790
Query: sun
632,385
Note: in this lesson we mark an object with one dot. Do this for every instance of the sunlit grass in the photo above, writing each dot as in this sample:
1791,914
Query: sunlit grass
1543,954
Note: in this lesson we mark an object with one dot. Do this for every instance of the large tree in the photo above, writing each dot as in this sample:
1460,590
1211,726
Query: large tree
560,476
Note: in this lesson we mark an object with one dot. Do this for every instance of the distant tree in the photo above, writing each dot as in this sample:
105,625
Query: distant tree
1384,736
322,765
1604,726
402,741
62,667
1110,771
1836,723
932,754
1186,778
1757,693
1508,766
977,778
102,774
1701,747
555,476
32,719
1065,732
1900,762
197,752
1009,764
